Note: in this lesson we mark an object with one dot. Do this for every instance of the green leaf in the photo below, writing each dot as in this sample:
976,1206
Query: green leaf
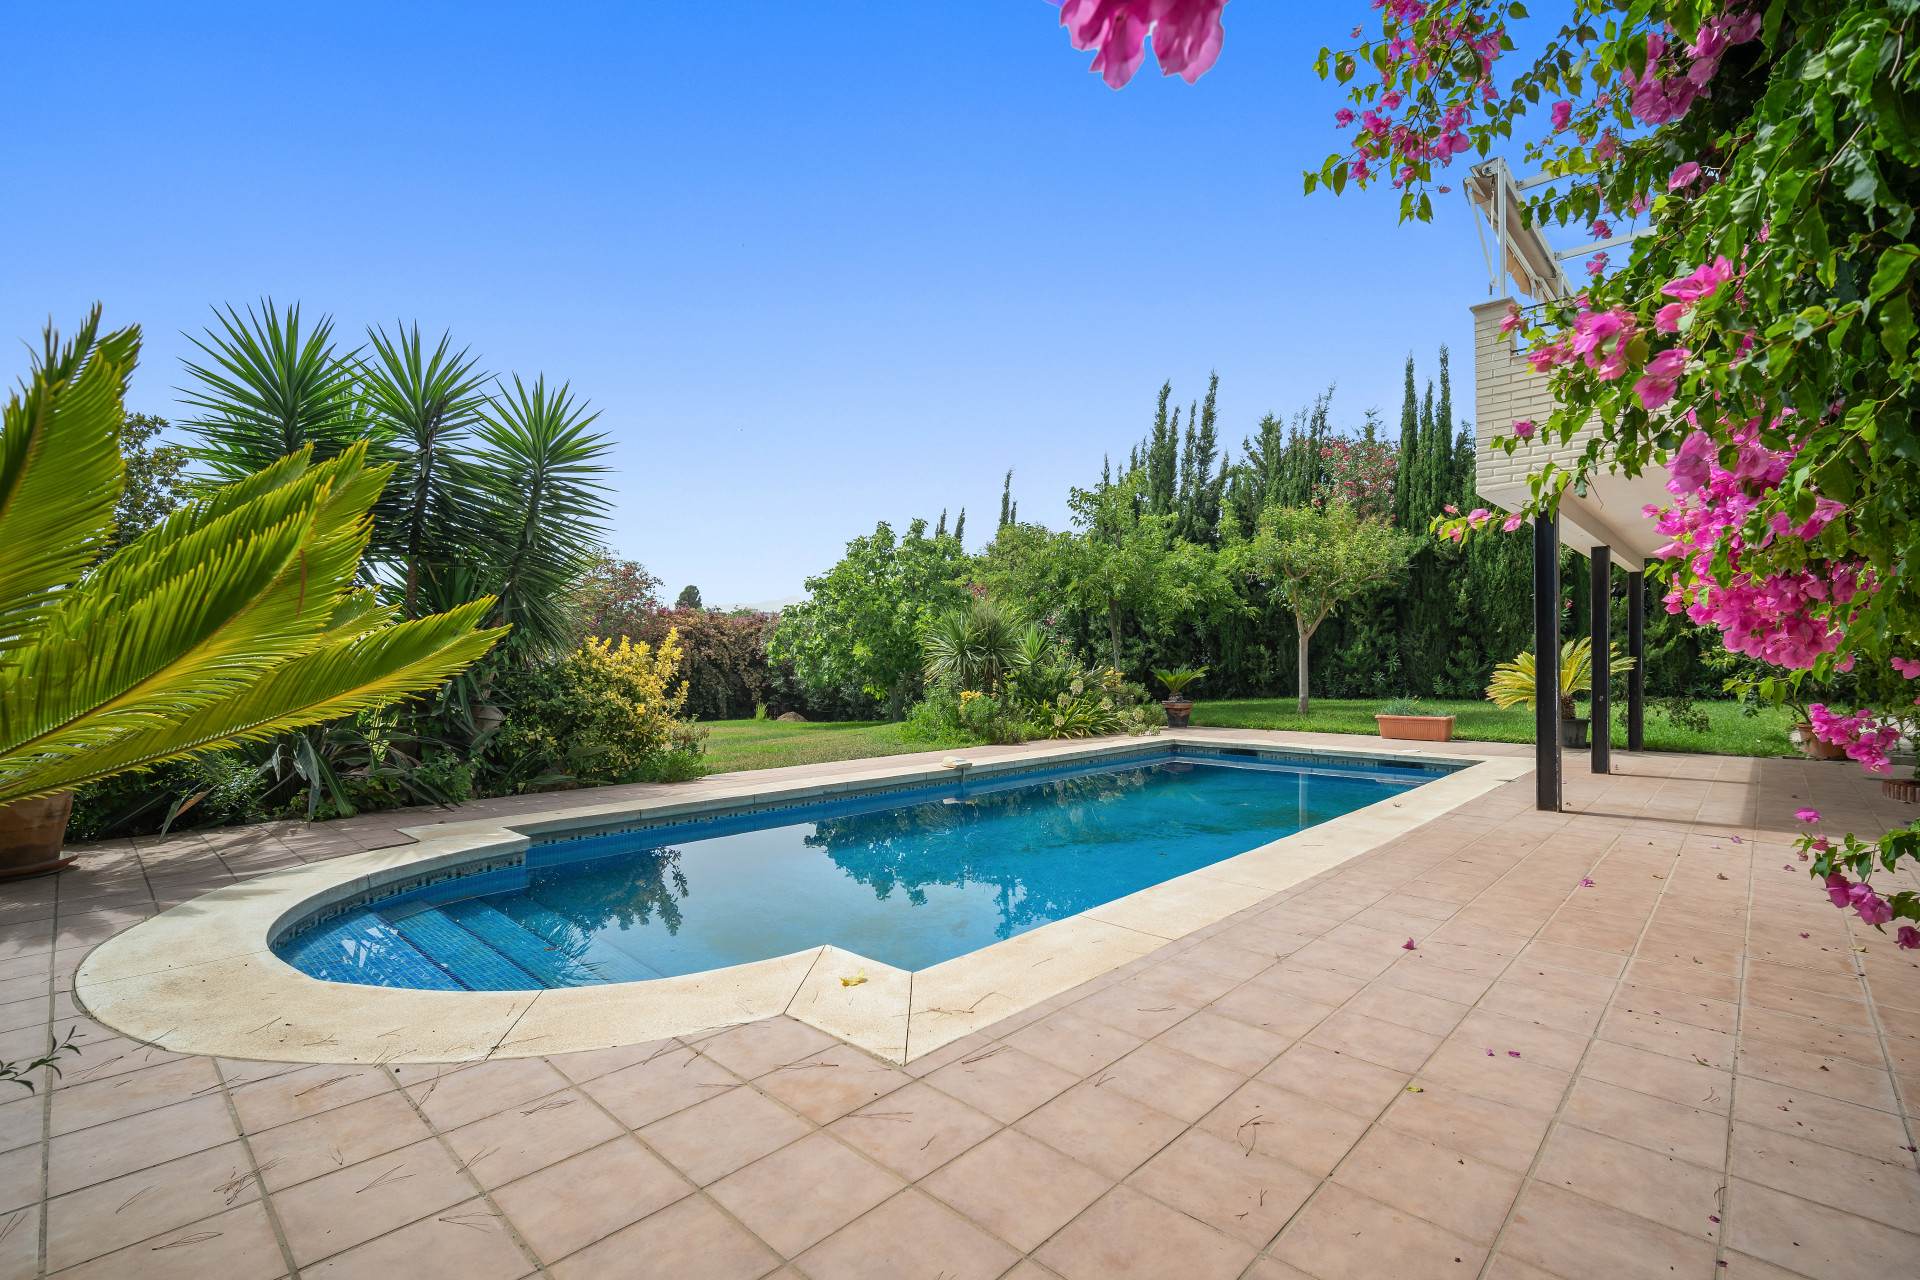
1892,270
1896,328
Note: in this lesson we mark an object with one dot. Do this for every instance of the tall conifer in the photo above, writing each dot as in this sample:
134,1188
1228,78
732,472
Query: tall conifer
1408,466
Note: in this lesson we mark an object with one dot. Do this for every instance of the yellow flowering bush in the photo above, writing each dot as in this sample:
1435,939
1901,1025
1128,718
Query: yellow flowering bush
604,713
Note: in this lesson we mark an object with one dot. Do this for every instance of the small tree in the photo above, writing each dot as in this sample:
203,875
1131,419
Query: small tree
1317,560
689,599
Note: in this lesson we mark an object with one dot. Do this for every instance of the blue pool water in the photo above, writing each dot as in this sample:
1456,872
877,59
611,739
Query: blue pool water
906,878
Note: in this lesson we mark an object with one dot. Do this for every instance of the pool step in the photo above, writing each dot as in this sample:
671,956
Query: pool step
549,964
362,948
472,961
601,961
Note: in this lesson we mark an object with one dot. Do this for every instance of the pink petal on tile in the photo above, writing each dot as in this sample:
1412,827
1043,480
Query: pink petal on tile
1408,945
1513,1053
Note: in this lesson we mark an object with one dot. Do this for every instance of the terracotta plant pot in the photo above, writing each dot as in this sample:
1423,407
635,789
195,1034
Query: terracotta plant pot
31,833
1177,709
1573,732
1416,728
1812,746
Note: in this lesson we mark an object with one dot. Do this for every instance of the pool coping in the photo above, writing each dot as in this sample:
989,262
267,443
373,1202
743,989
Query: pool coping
201,977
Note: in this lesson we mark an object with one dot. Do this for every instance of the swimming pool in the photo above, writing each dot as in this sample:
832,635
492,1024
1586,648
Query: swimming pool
909,878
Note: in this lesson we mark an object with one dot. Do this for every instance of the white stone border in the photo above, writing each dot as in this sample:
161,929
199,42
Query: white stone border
201,977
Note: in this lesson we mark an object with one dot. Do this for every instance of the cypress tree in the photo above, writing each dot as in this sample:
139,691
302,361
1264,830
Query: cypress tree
1006,500
1408,463
940,530
959,526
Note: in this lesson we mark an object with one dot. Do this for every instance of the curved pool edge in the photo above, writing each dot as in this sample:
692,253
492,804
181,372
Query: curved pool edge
201,977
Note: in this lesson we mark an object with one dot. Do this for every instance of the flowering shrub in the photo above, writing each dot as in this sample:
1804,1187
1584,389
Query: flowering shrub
1830,863
599,715
1359,472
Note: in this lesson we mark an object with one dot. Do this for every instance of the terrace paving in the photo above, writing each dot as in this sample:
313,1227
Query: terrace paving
1696,1067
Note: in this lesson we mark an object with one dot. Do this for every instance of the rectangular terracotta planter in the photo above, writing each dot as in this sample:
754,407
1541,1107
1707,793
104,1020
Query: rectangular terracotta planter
1416,728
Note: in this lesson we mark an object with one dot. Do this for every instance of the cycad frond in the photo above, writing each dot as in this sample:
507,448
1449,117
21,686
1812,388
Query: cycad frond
60,472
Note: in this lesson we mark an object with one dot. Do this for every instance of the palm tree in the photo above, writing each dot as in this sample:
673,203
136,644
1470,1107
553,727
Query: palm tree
236,618
268,390
428,403
1513,682
544,511
976,645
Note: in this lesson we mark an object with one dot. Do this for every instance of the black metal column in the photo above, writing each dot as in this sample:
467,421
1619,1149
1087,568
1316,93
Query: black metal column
1637,650
1601,576
1546,662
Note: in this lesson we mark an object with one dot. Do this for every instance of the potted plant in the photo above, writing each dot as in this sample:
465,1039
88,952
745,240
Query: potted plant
1177,707
31,833
1402,718
1513,685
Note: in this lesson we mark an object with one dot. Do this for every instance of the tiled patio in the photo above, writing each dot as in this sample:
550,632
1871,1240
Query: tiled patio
1696,1067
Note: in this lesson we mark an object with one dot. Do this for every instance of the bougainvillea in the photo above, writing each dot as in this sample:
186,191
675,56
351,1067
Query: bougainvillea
1759,341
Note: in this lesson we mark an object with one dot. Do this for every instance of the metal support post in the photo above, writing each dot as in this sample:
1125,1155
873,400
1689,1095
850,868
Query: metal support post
1601,726
1546,662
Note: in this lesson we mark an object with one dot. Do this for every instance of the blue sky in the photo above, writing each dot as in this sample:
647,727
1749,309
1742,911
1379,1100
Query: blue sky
817,265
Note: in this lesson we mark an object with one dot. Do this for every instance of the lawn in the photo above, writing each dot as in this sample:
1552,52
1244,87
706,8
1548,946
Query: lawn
769,744
1731,732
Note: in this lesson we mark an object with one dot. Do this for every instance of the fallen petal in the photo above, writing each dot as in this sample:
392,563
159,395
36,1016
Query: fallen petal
1408,945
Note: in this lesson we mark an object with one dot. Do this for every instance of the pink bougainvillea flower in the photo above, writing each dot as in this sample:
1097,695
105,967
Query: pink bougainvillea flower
1514,521
1807,815
1586,883
1692,465
1870,906
1510,321
1562,113
1600,230
1908,937
1187,35
1408,945
1804,935
1513,1053
1839,888
1908,667
1524,428
1342,118
1683,176
1657,386
1667,319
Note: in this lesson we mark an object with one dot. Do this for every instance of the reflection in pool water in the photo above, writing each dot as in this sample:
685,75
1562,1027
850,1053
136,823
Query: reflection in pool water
905,881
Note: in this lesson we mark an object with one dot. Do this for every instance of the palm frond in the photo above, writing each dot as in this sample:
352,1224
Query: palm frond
60,471
359,674
267,389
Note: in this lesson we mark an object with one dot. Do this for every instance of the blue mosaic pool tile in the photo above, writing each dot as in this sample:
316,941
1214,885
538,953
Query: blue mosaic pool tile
550,965
365,949
472,963
601,961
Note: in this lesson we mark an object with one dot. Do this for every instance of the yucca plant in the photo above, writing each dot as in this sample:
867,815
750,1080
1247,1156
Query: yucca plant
1512,684
236,618
975,646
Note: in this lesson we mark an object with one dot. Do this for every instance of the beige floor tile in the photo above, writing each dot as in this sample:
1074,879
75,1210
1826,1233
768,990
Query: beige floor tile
660,1086
267,1095
1885,1192
110,1215
1824,1074
1001,1081
1226,1042
900,1238
1465,1196
688,1238
728,1132
1385,1044
1249,1196
118,1147
1578,1239
237,1244
1680,1080
825,1086
1487,1071
1265,1007
1128,1235
1685,1133
81,1106
465,1242
339,1210
1021,1190
1137,1012
756,1048
1406,1008
1804,1114
1327,1075
455,1096
1108,1131
1342,1235
1492,1131
1305,1133
320,1144
1658,1187
1812,1239
567,1206
1074,1043
1183,1087
914,1130
802,1193
515,1142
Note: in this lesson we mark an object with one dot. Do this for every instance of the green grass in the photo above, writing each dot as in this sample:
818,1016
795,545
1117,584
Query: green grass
1731,732
769,744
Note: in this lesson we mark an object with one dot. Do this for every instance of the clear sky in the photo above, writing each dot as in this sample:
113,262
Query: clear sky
816,264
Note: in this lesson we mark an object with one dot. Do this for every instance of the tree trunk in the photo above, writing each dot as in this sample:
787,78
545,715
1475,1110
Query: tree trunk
1305,635
1113,629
